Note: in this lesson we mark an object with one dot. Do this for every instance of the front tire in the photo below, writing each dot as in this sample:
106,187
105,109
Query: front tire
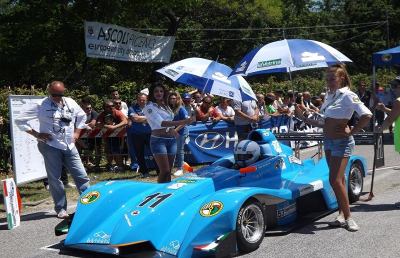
250,226
355,182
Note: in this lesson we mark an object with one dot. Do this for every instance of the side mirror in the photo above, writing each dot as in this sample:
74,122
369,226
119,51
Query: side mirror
248,170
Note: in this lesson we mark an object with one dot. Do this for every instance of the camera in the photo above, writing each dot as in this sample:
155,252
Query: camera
66,118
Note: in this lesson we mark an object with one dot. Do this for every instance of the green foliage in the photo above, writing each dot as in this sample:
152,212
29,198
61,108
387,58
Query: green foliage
43,40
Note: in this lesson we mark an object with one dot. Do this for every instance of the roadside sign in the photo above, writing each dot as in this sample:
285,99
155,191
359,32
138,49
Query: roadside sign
11,203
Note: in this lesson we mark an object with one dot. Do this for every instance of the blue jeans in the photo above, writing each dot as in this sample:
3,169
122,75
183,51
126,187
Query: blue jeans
180,150
54,159
139,143
131,147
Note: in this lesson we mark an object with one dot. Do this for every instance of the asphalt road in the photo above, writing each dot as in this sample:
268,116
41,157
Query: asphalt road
379,220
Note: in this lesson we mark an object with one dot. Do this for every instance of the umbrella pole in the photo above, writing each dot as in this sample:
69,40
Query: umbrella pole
205,85
290,78
371,193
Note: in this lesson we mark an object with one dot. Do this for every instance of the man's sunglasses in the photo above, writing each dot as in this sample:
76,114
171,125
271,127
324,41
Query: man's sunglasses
57,94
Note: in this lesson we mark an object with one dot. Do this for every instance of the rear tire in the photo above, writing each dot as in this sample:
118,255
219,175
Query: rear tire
250,226
355,182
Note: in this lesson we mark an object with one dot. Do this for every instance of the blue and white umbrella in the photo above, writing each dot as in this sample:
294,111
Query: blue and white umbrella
289,55
210,77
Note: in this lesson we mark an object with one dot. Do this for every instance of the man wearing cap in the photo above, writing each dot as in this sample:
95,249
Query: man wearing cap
187,103
60,121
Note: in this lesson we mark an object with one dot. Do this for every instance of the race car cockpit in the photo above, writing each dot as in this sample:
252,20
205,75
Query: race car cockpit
261,144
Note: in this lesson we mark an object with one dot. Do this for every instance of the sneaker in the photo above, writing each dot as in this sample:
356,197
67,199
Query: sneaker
179,172
134,167
90,165
47,187
351,225
62,214
110,167
338,222
69,185
118,169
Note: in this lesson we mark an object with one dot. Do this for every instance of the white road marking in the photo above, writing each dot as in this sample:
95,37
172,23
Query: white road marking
384,168
48,248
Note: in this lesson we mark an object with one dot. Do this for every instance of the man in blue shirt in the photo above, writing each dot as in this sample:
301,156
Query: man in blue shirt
139,133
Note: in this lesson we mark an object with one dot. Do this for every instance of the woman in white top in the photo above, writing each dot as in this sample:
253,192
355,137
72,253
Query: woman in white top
339,105
163,133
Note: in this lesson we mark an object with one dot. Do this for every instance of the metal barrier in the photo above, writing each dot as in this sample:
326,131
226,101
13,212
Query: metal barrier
364,138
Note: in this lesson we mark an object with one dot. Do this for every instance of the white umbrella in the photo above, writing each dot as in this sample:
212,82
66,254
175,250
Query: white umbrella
289,55
210,77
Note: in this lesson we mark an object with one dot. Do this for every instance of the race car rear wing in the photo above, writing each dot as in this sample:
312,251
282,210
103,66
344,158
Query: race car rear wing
364,138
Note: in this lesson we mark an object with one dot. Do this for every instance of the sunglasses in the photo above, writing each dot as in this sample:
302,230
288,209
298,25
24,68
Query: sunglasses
57,94
117,103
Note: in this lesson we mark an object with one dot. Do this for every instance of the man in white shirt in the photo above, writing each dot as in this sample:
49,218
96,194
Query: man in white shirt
60,122
246,117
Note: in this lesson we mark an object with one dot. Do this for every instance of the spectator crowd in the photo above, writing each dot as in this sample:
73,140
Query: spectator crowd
129,152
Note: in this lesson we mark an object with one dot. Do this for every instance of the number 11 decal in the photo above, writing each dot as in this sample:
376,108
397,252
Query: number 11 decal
160,199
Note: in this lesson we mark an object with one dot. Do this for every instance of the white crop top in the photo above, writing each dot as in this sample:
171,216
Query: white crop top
155,114
342,104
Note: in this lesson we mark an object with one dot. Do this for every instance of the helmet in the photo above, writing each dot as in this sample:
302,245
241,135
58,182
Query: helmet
246,153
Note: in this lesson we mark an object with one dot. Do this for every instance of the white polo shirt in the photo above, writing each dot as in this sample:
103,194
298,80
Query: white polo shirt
155,114
342,104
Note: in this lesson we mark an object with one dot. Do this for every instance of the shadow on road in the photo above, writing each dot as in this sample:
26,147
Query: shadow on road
364,207
312,228
28,217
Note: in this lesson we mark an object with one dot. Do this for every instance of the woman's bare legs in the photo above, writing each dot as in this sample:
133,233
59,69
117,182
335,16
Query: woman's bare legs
163,163
337,166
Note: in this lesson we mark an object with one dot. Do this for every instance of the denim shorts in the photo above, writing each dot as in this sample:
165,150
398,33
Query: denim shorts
340,147
163,145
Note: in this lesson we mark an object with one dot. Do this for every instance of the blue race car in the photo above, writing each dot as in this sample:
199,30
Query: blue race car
217,211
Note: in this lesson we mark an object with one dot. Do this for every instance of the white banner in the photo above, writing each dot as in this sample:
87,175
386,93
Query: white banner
118,43
28,162
11,203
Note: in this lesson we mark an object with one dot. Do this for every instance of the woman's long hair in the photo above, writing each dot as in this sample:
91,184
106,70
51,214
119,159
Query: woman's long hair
151,92
178,104
340,71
